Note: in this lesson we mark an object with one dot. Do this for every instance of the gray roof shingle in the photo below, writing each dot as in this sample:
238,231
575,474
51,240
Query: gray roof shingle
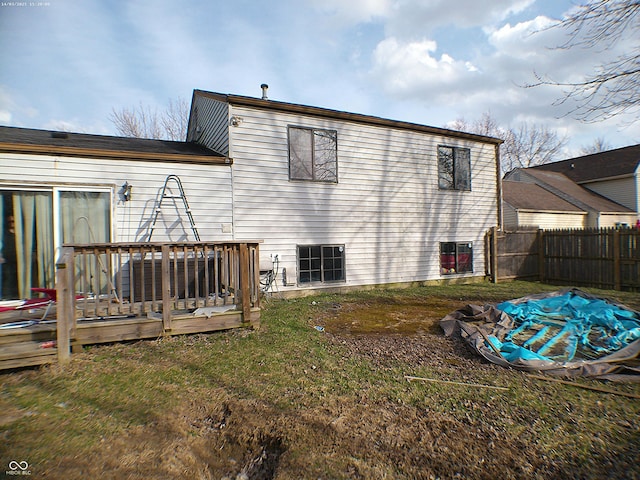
612,163
81,144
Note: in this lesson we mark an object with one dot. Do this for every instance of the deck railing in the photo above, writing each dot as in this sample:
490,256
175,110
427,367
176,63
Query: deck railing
118,280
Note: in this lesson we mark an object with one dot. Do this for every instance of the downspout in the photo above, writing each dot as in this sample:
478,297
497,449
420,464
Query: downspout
230,154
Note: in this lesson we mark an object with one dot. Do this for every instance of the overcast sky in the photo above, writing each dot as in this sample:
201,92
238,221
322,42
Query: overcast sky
65,64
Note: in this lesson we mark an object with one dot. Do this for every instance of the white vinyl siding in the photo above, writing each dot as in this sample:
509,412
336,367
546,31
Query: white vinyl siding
207,187
386,209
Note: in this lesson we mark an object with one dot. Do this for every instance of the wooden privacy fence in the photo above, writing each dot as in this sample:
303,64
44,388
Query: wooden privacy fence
607,258
114,292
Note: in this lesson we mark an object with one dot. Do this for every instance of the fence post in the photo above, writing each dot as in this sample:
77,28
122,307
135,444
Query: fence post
166,289
541,258
245,289
494,254
64,308
617,284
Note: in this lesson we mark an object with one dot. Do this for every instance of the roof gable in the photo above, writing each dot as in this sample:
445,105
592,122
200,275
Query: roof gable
598,166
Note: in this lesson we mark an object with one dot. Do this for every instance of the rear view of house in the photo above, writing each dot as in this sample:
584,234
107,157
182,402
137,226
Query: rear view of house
342,199
337,199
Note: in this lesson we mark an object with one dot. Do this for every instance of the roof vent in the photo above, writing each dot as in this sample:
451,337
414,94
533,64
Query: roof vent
264,88
59,135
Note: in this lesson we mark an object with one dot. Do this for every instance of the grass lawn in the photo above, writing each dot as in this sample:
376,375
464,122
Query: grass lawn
294,401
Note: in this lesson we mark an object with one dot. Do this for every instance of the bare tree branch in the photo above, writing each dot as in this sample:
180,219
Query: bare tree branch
612,89
525,145
143,122
598,145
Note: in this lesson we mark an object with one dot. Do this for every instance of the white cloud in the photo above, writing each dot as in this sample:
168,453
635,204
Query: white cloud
410,68
511,39
417,18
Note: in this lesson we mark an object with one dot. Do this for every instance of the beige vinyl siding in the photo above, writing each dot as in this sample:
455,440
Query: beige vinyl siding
622,190
207,187
386,207
616,219
552,220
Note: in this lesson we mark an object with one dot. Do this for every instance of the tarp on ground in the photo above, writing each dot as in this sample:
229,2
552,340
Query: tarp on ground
568,332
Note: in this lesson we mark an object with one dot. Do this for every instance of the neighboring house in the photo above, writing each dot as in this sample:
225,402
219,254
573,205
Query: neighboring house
614,174
535,197
339,199
530,205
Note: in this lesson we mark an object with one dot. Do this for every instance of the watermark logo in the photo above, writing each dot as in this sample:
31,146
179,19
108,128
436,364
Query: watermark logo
18,468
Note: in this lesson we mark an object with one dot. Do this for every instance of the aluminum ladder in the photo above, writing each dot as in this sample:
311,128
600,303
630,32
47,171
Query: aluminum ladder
164,195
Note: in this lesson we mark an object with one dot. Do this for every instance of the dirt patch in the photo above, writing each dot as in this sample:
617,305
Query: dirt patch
385,316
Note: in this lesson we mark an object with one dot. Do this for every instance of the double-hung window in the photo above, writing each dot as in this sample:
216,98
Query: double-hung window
313,154
320,263
454,168
456,257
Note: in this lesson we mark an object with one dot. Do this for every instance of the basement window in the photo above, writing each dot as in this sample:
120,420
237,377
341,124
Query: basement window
320,263
456,258
313,154
454,168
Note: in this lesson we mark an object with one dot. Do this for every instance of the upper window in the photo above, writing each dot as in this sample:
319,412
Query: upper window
454,168
313,154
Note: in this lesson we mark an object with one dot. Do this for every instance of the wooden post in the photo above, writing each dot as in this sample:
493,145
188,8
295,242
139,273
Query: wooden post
166,289
541,255
64,307
245,288
494,253
617,284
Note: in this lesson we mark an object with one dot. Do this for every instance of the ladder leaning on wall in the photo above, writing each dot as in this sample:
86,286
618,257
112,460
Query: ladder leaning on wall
165,195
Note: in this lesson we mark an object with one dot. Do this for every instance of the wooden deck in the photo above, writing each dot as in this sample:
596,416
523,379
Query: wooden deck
218,291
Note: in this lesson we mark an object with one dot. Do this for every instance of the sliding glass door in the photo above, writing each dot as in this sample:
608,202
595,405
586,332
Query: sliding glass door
34,223
26,248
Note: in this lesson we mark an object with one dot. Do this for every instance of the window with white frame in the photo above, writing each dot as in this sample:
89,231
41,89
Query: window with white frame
456,257
321,263
313,154
454,168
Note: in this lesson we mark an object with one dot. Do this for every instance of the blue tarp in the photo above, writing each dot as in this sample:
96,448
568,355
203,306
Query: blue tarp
591,327
568,332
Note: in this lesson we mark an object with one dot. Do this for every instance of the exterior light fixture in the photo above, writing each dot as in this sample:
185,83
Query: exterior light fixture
126,191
